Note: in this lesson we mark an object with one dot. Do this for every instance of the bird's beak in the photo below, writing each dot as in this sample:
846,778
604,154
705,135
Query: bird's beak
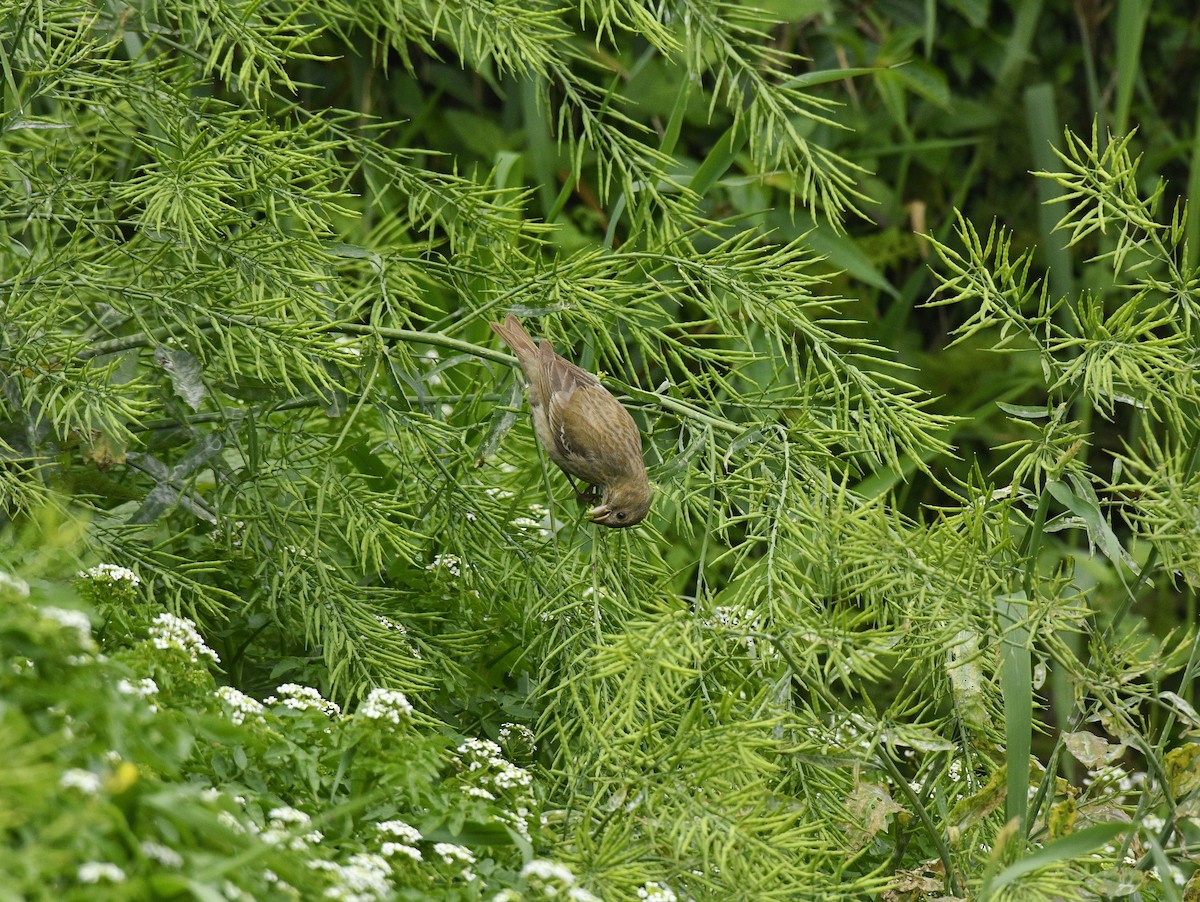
599,512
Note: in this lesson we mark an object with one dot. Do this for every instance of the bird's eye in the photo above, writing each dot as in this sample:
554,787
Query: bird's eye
621,515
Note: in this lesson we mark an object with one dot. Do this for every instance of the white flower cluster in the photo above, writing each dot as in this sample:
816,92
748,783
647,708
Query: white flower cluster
432,357
365,878
179,633
72,620
525,524
241,705
539,518
230,822
407,835
518,733
279,884
164,855
100,871
349,347
452,853
391,625
304,698
484,759
235,893
652,891
737,617
552,878
451,562
285,825
110,573
84,780
740,619
13,585
386,704
143,688
518,820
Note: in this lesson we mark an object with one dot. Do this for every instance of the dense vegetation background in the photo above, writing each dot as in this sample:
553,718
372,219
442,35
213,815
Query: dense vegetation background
293,606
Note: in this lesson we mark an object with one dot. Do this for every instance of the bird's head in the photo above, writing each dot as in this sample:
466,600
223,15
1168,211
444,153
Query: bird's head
623,503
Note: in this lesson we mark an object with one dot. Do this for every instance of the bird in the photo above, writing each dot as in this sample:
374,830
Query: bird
584,429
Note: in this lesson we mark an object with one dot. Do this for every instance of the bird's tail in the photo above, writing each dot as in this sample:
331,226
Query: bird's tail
517,338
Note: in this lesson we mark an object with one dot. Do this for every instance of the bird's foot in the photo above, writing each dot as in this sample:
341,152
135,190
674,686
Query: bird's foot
586,498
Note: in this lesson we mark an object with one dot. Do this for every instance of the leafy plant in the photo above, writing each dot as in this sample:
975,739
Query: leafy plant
244,340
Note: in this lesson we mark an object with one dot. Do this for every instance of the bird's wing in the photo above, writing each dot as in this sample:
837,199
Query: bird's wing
586,426
560,375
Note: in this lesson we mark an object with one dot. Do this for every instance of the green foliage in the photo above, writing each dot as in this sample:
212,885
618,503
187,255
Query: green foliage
871,627
166,787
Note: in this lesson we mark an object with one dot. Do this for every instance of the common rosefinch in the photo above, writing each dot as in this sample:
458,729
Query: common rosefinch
583,428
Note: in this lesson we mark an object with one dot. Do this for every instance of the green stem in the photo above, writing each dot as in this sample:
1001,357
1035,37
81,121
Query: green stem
931,829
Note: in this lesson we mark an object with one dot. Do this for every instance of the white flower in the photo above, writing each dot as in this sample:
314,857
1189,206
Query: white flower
652,891
362,879
399,829
235,893
390,849
230,822
511,777
179,633
241,704
519,820
348,346
452,852
483,748
143,688
388,624
84,780
386,704
110,573
288,815
450,562
484,757
304,698
393,626
286,825
162,854
97,871
13,585
548,870
73,620
519,732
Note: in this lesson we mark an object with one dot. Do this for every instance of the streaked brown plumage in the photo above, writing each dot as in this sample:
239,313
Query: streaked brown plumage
583,428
